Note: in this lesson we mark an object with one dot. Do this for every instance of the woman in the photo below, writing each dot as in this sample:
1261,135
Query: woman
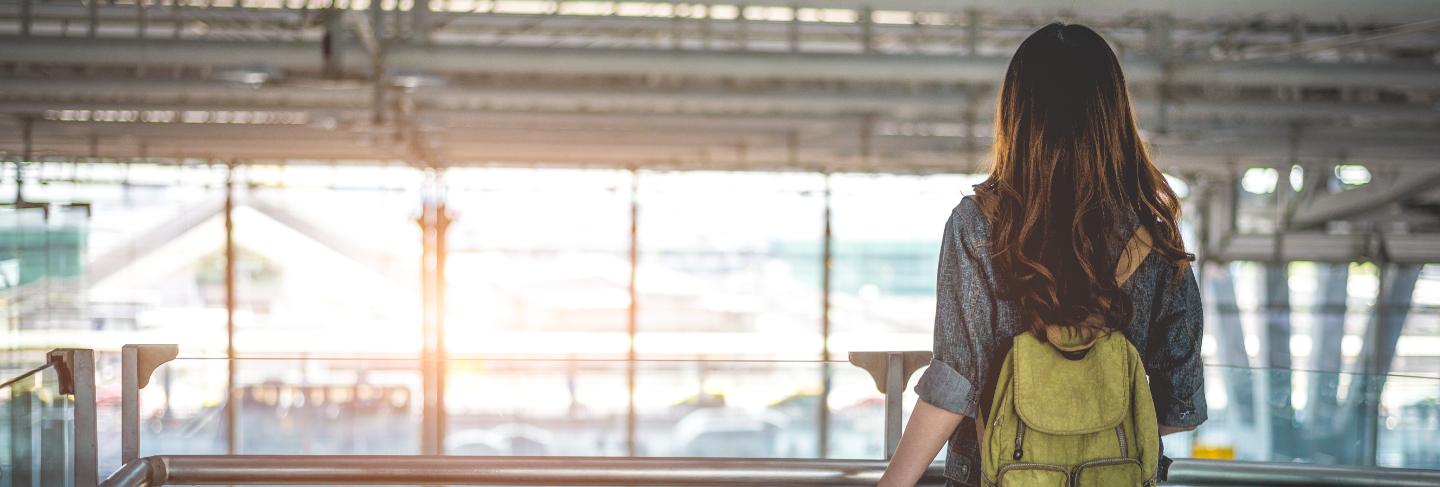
1038,244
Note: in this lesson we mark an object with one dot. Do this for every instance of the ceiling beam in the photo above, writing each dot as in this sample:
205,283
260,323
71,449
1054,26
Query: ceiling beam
432,58
1365,199
1331,247
1390,11
33,95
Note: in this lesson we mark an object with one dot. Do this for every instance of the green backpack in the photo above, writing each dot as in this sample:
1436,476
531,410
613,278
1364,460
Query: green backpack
1074,410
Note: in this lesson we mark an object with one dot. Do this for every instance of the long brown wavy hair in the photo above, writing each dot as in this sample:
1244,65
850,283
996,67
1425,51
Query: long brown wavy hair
1069,166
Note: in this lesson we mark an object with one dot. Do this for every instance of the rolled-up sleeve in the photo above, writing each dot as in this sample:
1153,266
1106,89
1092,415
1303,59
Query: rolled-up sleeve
944,387
963,312
1177,375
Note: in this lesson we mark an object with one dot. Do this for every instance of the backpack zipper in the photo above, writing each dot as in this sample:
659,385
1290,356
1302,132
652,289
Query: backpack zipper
1019,439
1035,466
1124,446
1074,475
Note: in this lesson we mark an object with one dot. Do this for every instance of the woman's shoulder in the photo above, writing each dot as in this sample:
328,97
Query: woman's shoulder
967,206
968,221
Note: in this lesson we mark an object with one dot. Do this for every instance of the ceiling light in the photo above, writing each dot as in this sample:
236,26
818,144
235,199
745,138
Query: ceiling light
414,79
250,74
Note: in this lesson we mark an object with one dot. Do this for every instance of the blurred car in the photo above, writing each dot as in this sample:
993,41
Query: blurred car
730,432
510,439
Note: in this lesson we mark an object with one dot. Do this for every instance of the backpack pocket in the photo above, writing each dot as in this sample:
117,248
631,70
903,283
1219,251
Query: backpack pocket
1109,471
1032,474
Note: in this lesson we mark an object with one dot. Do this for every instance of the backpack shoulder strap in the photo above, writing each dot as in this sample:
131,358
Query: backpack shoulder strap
1134,254
1074,340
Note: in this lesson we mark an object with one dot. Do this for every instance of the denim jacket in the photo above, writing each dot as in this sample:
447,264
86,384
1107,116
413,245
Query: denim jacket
973,330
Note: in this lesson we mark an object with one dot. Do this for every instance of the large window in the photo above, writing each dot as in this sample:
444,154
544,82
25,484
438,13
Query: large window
128,250
327,265
537,277
538,262
730,264
327,261
887,232
730,267
115,254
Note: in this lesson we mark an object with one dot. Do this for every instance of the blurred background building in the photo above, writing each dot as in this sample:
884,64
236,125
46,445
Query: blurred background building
656,228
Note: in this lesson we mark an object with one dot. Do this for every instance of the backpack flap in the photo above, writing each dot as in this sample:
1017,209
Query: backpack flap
1063,396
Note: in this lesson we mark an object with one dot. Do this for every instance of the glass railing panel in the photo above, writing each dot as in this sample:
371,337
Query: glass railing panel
283,406
763,409
1409,423
857,413
182,410
514,407
36,431
1332,418
540,407
754,408
328,406
719,408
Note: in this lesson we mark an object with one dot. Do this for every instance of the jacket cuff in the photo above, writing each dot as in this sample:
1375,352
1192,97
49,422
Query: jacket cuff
943,387
1184,413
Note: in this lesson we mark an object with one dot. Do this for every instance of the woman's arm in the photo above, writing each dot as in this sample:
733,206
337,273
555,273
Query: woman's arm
1173,361
948,387
926,432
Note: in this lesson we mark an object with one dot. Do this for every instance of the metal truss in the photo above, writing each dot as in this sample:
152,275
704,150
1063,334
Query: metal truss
903,86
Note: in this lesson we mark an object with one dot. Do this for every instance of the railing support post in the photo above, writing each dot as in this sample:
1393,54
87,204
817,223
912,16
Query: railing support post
137,363
894,390
77,379
891,371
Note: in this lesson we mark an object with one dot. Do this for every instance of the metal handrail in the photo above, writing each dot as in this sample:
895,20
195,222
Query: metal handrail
471,470
1191,471
478,470
22,376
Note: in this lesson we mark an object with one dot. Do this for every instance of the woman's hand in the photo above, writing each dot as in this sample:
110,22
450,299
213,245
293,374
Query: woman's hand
927,430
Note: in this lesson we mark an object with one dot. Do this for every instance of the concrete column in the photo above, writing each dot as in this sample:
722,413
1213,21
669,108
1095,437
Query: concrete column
1325,354
826,265
1392,307
867,31
793,32
232,403
1230,338
1397,288
1160,40
742,29
632,446
434,222
420,21
332,42
972,32
1275,356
